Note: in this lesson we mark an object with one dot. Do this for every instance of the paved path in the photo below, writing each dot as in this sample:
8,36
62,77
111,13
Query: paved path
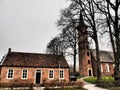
90,86
38,88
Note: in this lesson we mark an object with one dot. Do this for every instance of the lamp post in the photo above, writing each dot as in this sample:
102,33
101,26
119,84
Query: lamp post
59,70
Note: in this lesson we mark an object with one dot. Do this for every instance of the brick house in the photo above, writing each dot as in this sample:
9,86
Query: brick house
33,68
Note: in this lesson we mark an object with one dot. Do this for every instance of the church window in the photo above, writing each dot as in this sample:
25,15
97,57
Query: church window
88,54
88,61
107,68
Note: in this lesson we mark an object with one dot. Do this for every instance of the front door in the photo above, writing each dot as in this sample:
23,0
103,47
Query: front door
90,72
38,76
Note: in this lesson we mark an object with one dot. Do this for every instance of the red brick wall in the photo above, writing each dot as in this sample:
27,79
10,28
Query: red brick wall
111,69
83,62
31,74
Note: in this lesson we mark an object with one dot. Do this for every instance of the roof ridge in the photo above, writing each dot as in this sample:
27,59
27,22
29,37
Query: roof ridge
34,59
103,50
34,53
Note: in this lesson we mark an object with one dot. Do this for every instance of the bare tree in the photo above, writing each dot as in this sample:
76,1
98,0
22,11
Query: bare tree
56,46
90,16
111,10
67,23
72,18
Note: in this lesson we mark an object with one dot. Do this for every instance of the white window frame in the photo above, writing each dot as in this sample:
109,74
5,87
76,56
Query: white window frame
49,74
107,69
101,68
60,74
40,71
23,73
10,72
119,67
113,66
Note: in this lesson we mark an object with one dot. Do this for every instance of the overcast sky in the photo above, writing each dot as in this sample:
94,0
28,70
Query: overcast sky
28,25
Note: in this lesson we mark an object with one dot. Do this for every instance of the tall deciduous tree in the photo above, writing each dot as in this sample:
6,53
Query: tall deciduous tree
56,46
111,10
67,23
90,15
72,16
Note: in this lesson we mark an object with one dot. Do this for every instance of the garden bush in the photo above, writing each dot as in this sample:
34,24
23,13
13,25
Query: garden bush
15,85
117,83
105,84
63,84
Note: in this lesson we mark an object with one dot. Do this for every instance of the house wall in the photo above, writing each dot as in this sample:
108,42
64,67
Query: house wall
0,73
17,77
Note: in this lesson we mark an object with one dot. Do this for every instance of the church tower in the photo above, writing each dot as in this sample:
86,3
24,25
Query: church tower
85,65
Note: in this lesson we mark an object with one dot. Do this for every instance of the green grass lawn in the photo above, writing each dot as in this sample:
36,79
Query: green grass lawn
107,78
106,82
93,79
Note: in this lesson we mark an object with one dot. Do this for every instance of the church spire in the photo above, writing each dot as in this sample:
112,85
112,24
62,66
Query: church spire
81,25
81,18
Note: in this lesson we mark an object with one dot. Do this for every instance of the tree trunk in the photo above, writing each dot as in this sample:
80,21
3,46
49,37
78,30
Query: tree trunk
116,70
74,70
98,60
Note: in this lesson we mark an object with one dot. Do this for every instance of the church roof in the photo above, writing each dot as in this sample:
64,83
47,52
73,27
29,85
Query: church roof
105,56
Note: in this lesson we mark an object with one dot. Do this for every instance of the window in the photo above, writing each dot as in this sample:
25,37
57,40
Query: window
113,66
107,68
88,61
119,67
10,73
51,74
24,74
61,74
88,54
101,68
87,47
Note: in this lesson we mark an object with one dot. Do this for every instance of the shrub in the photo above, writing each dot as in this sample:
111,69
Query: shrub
117,83
63,84
105,84
14,85
79,84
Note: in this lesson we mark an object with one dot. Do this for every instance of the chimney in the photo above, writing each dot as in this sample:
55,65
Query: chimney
9,50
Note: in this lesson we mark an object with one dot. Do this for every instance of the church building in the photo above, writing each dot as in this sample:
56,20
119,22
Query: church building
87,57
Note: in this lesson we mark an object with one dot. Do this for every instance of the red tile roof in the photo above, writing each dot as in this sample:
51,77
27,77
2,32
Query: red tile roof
21,59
